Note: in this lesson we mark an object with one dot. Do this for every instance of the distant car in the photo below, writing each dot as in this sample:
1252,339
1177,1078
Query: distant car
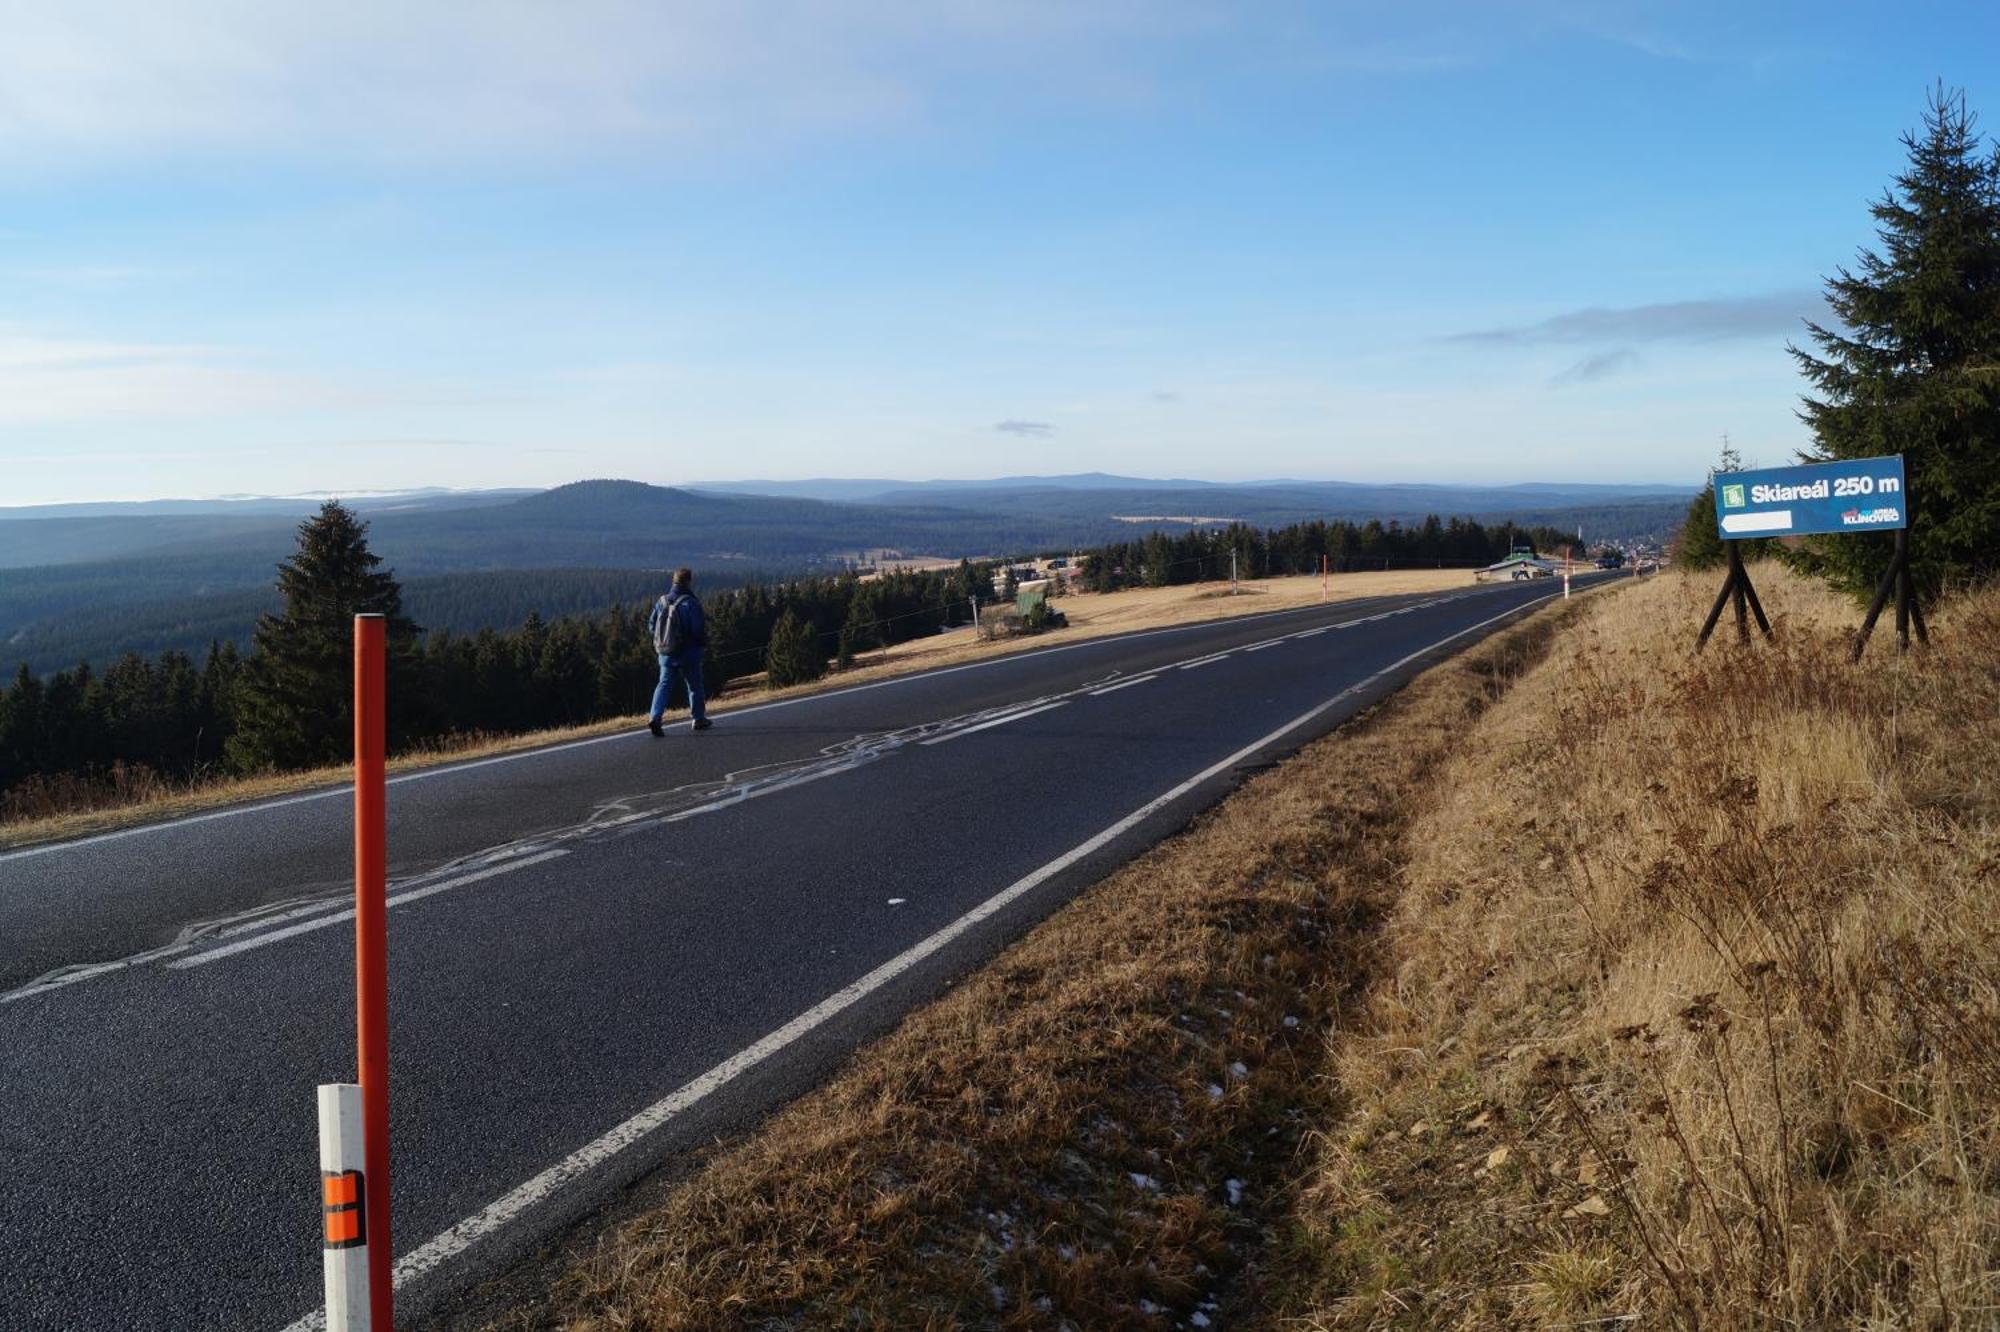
1607,561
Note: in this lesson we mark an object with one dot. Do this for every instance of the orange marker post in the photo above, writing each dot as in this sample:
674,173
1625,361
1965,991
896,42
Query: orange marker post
371,951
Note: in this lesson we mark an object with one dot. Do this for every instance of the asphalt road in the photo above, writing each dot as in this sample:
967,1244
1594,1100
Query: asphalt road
601,954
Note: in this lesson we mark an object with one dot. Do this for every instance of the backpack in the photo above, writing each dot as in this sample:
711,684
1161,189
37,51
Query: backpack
671,635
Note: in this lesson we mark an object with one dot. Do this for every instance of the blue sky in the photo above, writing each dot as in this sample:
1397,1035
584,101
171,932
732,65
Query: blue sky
263,248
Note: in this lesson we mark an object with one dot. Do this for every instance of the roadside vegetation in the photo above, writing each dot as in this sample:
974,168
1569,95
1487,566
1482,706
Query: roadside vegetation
1688,1009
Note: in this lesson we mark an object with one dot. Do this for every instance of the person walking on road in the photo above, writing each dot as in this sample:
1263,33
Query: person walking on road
679,635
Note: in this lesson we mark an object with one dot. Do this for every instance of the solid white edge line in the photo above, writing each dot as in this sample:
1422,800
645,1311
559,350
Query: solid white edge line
1122,684
442,1248
399,899
997,721
446,770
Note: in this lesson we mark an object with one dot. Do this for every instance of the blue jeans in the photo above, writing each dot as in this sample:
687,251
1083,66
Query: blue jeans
690,671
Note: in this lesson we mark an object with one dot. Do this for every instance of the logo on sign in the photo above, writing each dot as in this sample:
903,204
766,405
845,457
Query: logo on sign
1852,517
1732,497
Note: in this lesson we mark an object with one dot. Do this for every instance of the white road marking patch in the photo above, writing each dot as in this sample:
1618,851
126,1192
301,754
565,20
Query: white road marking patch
442,1248
997,721
1203,661
67,978
1122,684
398,899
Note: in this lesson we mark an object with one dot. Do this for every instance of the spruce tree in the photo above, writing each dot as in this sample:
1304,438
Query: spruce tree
1916,369
1700,545
296,692
793,657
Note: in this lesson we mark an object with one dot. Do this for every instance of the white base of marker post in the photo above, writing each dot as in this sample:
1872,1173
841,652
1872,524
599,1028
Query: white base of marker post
344,1200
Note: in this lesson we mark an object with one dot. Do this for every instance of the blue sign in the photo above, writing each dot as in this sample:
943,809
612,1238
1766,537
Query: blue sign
1859,495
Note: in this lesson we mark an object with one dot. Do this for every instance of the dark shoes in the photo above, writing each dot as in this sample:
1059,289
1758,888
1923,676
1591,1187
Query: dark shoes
655,727
701,724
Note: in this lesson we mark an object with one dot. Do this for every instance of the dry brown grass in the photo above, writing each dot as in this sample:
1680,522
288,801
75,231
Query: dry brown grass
50,810
1691,1003
1094,1131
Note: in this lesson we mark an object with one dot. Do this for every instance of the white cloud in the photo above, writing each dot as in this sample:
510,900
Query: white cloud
57,381
1772,314
405,77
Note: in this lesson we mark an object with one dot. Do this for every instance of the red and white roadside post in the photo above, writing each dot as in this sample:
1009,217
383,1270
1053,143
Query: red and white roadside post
354,1118
1324,590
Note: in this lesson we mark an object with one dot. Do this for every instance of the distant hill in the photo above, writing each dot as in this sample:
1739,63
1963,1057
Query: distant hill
96,584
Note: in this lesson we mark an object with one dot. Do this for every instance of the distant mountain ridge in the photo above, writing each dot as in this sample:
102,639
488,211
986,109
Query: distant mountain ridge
878,490
146,579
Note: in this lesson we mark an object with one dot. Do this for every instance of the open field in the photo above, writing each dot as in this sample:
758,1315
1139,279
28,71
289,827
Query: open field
140,799
1583,983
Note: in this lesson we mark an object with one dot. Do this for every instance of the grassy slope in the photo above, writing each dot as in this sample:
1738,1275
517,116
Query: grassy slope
1626,988
1691,1006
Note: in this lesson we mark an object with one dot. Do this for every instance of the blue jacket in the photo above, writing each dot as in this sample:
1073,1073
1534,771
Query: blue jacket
678,628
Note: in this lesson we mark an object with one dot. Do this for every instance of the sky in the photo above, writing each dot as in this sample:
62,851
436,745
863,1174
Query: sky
381,244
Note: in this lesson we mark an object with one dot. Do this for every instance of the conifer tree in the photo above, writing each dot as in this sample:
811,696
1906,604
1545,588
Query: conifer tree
1916,368
295,697
1700,545
793,657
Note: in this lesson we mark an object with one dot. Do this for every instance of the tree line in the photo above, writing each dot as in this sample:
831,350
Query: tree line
1160,559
